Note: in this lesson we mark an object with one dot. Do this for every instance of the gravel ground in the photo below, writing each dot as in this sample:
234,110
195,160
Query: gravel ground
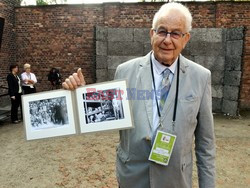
89,160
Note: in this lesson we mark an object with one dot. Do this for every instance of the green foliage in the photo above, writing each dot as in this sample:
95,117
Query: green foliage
41,2
57,1
49,2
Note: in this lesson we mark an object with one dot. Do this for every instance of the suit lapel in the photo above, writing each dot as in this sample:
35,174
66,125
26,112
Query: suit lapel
169,103
145,77
146,85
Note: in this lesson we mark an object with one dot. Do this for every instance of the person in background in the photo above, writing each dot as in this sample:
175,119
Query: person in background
15,92
28,80
180,107
55,78
116,106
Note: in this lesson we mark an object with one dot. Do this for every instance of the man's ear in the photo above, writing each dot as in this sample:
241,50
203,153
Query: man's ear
186,39
151,33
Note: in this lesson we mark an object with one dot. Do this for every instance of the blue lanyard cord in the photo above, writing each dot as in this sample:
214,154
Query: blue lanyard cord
177,89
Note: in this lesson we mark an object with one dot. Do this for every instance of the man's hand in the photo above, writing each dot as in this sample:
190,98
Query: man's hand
74,81
13,97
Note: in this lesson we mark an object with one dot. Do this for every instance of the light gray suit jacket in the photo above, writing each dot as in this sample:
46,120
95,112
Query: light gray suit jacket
193,120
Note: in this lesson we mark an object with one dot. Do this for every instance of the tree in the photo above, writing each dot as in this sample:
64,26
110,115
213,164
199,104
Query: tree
58,1
41,2
49,2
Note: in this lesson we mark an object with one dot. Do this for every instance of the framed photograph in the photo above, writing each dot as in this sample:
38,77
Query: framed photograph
48,114
103,106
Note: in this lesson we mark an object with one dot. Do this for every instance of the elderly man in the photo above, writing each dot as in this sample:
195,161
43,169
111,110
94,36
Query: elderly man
180,109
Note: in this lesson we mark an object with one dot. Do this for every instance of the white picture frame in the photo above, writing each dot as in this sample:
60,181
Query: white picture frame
103,106
48,114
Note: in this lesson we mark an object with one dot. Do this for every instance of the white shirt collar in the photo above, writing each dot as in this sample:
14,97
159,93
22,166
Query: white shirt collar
159,68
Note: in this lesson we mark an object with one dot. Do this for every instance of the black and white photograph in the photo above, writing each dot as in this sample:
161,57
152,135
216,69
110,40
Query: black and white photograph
103,106
48,114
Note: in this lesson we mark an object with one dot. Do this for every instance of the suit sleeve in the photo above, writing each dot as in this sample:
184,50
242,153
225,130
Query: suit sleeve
205,140
11,85
117,73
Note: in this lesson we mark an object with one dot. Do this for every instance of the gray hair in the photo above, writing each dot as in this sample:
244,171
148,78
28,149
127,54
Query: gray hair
26,66
174,6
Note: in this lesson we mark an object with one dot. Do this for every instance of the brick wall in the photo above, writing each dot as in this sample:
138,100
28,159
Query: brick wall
63,35
57,36
7,51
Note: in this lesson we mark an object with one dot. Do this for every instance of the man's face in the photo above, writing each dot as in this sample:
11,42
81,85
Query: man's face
167,49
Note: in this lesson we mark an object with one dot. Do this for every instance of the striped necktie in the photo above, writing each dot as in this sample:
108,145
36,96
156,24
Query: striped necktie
164,87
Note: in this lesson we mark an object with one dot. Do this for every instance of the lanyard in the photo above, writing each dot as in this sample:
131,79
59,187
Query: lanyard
176,92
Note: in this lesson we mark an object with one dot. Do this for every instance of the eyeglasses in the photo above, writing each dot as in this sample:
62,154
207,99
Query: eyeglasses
173,34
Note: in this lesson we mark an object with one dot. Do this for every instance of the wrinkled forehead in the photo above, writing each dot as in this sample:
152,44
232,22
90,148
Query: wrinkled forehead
172,20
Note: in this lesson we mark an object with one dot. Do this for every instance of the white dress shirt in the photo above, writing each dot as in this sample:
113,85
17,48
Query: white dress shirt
19,84
26,76
158,68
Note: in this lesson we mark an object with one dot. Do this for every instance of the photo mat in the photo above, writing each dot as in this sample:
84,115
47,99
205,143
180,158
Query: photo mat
103,106
48,114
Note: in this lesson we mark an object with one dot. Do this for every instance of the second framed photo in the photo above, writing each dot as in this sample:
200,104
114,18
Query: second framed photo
103,106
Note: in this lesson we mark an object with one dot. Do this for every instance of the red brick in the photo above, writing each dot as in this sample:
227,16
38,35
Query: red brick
62,35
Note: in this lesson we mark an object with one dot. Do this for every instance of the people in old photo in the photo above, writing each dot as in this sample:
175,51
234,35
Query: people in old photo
117,107
103,106
48,113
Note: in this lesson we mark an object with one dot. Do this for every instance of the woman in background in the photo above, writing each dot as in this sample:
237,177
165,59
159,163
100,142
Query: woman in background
28,80
15,92
55,78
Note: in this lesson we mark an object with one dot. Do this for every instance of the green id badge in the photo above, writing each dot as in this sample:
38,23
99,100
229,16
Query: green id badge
162,148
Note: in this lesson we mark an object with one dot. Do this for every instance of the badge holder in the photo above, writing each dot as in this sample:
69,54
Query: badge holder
162,148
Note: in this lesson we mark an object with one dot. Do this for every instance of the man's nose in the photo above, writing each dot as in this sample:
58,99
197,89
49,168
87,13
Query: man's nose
167,38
